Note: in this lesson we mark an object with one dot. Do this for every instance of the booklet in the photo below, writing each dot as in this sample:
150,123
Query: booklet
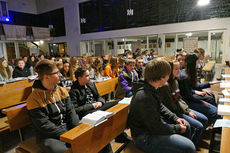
96,118
225,85
225,92
224,100
125,101
223,109
222,123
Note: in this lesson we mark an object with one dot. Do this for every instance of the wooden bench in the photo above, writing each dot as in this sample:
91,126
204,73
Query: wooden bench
225,147
83,138
17,118
14,93
208,69
107,86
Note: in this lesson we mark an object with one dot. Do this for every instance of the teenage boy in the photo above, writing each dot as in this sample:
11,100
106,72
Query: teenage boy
139,67
153,127
50,109
84,94
126,78
86,99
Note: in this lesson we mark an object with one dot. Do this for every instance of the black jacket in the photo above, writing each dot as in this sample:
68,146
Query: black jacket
146,112
51,112
78,97
18,72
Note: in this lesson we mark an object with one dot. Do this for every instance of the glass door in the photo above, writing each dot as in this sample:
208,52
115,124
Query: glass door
217,45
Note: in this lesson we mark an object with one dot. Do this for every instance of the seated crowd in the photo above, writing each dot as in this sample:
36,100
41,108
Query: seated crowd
169,110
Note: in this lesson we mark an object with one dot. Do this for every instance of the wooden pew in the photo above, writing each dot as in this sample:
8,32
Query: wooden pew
17,118
106,87
208,69
169,58
14,93
225,147
89,139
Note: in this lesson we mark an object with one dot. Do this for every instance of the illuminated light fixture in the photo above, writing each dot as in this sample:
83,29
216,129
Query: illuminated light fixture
123,39
188,34
203,2
41,42
7,19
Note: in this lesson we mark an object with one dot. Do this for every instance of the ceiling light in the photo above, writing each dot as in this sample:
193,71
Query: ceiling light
188,34
203,2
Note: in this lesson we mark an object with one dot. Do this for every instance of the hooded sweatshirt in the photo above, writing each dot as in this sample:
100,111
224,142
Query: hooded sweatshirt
51,112
146,112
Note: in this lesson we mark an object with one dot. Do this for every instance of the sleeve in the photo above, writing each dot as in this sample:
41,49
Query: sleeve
71,115
151,118
186,91
43,124
74,95
31,70
15,74
200,86
167,113
124,83
97,95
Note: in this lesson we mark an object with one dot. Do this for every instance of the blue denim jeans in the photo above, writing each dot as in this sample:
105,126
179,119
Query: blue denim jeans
174,143
210,112
196,125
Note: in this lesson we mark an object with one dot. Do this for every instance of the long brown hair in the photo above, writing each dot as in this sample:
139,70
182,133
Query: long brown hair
73,65
4,73
113,62
190,68
95,64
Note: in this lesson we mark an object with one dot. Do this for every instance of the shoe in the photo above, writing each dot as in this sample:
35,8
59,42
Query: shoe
123,138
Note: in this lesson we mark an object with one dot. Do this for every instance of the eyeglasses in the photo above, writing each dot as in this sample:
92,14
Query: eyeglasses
58,73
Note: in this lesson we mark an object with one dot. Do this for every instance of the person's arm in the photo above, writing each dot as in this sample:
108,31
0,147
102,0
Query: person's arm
200,86
75,98
40,119
151,117
167,113
124,83
96,94
186,91
71,115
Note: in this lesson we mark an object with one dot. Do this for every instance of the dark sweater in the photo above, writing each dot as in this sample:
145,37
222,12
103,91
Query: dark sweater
18,72
79,97
146,112
186,89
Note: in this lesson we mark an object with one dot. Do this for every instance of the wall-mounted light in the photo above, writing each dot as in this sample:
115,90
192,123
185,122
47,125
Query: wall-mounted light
203,2
7,19
41,42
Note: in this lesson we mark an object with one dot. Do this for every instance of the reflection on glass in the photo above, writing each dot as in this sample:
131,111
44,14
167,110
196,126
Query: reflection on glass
216,47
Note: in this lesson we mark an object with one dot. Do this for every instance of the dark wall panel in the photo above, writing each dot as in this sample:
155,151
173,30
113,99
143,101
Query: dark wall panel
104,15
